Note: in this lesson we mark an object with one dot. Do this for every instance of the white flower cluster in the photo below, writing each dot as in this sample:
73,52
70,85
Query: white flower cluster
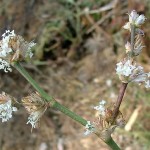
13,48
89,128
101,107
134,19
4,45
129,72
125,69
5,50
6,109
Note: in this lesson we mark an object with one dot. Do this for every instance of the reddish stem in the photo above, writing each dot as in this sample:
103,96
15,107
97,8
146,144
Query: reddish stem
119,101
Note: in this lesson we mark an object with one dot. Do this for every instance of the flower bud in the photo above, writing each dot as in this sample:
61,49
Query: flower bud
140,20
137,50
127,26
139,31
133,16
128,47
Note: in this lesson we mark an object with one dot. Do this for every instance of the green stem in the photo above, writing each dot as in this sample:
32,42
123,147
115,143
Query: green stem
112,144
53,102
25,74
56,105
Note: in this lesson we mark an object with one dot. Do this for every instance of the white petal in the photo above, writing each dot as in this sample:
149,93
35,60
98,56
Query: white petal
127,26
140,20
133,16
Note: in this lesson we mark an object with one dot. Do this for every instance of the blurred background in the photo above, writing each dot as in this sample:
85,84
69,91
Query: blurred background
79,43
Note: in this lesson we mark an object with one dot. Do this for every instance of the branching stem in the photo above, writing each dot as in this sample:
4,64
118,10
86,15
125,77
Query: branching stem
54,104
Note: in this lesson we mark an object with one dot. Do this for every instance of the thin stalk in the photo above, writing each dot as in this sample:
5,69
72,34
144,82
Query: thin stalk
54,104
119,101
132,40
124,85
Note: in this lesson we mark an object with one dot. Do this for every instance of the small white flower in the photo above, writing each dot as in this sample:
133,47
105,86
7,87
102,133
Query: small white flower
35,116
89,128
125,68
127,26
101,107
134,19
33,119
133,16
6,108
140,20
128,47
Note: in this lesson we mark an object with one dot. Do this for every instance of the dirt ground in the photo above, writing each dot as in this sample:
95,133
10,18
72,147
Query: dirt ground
74,61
